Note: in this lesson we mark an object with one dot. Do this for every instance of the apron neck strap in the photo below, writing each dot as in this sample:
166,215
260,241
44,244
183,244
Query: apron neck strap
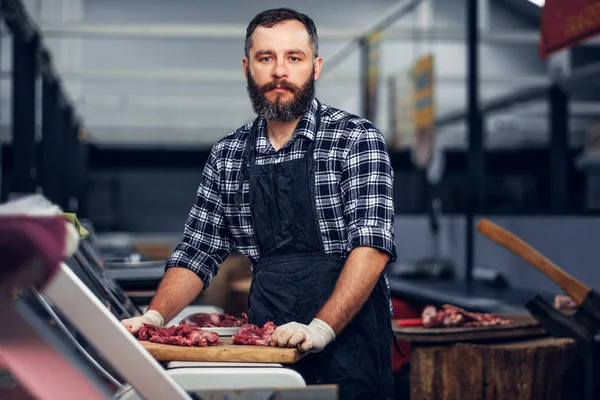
249,156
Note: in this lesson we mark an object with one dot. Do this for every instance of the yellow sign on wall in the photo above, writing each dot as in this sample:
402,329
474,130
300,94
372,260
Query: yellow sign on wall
423,91
373,43
423,110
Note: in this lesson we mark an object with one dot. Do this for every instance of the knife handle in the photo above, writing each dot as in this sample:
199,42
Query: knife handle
409,322
572,286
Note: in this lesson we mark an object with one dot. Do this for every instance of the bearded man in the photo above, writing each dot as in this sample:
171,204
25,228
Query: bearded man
305,192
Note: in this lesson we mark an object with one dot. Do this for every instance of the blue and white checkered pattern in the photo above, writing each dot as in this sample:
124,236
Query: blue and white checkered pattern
354,191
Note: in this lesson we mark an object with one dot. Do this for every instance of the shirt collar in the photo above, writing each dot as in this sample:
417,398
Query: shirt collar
308,123
306,126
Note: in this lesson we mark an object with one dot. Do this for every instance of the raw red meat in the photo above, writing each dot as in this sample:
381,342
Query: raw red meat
181,335
254,335
563,302
431,317
452,316
214,320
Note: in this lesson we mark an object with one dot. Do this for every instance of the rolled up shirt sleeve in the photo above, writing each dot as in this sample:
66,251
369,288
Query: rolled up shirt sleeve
206,241
367,186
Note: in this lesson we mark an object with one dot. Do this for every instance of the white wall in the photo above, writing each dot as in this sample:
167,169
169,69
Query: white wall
202,109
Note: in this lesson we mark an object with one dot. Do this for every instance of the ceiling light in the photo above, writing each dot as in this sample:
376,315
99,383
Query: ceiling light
539,3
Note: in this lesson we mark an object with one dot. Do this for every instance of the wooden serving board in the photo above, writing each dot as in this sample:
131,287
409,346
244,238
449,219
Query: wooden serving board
225,351
524,326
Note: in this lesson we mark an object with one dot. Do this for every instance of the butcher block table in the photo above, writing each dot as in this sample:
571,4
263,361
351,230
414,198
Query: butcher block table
512,362
225,351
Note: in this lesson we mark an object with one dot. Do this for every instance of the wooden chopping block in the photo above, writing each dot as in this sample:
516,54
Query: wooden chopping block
529,369
225,351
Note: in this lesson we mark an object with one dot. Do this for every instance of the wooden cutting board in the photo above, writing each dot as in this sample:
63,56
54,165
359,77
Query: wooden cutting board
224,352
524,326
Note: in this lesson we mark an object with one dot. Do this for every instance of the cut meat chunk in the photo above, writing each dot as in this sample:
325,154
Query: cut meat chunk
201,320
228,321
254,335
431,317
214,320
181,335
452,316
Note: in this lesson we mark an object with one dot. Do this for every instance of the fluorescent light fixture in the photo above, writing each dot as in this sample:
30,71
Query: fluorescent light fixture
538,3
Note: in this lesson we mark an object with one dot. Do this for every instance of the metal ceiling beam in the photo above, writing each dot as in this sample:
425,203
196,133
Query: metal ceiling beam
161,75
541,109
208,102
235,76
185,103
390,17
580,78
237,32
502,37
166,31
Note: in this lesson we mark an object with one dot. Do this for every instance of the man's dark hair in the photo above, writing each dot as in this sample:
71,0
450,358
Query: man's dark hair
271,17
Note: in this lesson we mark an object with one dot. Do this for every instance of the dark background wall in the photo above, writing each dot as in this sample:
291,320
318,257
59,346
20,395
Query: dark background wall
157,201
570,241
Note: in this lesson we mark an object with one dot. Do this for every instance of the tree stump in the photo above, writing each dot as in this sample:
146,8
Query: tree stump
529,369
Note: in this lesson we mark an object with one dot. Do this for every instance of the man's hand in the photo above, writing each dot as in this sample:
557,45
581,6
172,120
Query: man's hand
151,317
313,337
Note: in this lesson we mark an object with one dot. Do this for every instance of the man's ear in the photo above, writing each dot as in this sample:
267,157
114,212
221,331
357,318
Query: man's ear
318,65
245,66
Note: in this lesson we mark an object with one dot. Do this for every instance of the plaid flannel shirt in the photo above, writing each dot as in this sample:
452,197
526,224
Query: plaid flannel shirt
354,192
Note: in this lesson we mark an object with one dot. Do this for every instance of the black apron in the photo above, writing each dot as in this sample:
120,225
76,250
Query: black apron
295,277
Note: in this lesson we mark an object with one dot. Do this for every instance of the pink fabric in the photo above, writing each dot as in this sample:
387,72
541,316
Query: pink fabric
32,249
41,369
24,238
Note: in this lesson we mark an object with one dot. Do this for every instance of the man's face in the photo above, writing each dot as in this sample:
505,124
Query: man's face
281,71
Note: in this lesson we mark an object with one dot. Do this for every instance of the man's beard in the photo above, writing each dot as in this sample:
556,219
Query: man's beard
280,111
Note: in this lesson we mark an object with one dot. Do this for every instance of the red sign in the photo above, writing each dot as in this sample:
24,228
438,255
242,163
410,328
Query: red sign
566,23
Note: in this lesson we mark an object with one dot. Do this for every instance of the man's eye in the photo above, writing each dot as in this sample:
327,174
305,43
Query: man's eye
265,59
294,58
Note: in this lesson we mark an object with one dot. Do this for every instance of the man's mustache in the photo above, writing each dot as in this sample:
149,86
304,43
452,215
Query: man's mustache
267,87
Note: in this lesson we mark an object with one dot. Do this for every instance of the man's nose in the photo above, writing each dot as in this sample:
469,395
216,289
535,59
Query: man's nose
280,71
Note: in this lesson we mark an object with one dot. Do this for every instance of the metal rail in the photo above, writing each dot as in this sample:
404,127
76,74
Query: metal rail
527,94
579,78
188,31
394,13
236,76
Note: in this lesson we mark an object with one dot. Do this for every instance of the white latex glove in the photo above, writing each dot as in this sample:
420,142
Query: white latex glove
308,338
151,317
